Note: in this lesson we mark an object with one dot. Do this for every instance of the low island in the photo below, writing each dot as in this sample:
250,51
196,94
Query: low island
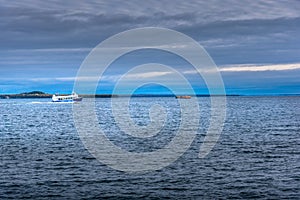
39,94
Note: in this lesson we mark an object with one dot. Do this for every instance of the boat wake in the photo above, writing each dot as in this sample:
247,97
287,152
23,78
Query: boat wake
40,102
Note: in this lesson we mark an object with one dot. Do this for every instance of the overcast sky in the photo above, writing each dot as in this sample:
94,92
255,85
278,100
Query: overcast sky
255,44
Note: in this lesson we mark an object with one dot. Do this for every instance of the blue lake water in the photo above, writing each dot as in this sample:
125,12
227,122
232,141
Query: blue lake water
257,155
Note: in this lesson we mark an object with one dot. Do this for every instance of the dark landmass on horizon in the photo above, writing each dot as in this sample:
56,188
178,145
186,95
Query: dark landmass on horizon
39,94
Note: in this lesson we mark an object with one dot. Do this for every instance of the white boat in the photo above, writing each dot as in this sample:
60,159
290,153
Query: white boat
66,98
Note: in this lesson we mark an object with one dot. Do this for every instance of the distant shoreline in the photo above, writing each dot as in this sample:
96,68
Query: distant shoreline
39,94
25,96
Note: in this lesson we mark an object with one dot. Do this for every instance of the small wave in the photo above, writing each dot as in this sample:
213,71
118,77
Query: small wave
61,102
35,102
40,102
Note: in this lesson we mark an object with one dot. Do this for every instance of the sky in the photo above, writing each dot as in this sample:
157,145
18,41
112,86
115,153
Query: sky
255,44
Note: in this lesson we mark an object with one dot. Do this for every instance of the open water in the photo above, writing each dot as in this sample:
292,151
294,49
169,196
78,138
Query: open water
257,155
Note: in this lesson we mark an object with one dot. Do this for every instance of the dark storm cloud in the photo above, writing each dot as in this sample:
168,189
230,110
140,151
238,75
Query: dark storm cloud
74,24
27,28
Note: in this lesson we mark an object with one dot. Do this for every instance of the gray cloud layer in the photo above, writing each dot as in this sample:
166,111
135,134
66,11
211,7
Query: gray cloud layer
58,34
43,24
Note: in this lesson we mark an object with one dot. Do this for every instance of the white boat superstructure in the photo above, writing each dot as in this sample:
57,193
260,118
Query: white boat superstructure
66,98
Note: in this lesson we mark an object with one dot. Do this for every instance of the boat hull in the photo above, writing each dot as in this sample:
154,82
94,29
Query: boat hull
66,98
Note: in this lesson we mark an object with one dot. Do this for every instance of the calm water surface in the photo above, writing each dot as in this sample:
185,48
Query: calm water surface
257,156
